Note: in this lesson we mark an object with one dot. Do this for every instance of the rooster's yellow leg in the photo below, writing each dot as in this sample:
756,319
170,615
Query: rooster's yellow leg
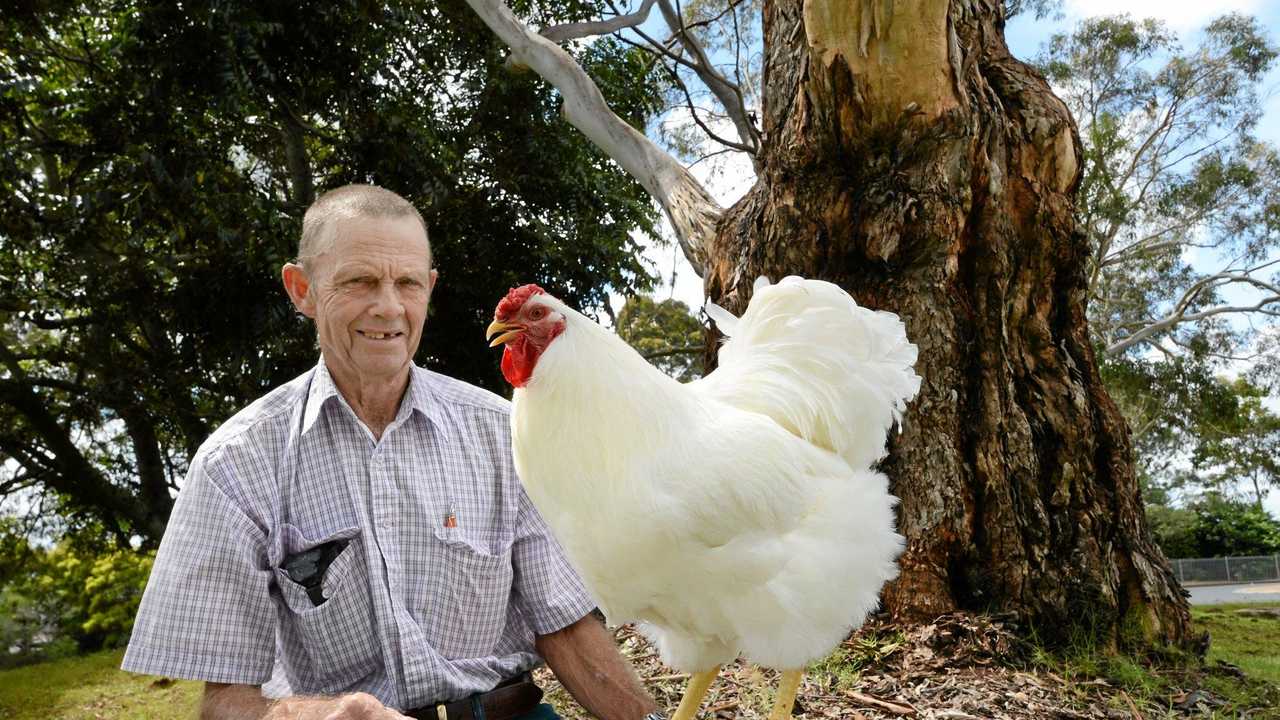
694,692
787,690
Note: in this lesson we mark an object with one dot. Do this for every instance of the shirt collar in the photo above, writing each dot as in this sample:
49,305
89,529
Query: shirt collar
418,396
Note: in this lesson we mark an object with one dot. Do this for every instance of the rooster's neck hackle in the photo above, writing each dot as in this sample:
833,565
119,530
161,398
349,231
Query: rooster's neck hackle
592,390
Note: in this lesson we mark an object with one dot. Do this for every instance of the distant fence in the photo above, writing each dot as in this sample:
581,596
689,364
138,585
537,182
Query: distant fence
1260,568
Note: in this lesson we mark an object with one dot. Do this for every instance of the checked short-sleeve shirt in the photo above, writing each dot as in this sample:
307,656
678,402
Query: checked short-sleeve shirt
417,610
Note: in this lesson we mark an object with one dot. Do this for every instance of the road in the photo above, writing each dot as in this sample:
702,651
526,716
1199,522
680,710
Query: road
1219,594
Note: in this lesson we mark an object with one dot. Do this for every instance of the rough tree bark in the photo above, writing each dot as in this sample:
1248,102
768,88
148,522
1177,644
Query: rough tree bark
910,159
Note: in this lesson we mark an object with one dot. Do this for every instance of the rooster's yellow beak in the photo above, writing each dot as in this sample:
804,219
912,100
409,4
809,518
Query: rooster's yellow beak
497,326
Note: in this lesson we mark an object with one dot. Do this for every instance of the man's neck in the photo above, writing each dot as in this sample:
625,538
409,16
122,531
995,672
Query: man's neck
374,400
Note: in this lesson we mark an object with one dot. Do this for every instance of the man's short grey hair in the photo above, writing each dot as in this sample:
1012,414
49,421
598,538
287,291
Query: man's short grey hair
320,223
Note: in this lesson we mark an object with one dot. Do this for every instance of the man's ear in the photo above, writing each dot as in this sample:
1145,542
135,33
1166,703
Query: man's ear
431,281
298,285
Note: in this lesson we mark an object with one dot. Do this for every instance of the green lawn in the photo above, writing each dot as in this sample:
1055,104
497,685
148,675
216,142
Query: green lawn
92,687
1252,643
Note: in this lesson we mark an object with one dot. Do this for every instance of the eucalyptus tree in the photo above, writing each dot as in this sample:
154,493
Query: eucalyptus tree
156,160
1180,202
1240,455
902,152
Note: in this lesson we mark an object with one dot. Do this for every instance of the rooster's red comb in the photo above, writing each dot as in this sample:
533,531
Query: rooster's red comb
510,304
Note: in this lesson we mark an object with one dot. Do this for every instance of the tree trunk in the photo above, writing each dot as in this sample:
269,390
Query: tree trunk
297,160
910,159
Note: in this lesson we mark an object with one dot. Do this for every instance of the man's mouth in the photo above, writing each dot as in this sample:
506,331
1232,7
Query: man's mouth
379,335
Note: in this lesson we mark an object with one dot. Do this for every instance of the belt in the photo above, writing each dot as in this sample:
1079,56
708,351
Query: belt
510,699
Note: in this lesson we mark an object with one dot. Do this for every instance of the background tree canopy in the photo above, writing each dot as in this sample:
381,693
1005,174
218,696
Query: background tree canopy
1180,201
157,159
665,333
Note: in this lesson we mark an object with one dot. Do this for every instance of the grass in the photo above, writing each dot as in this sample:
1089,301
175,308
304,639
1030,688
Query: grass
92,687
842,669
1241,672
1250,643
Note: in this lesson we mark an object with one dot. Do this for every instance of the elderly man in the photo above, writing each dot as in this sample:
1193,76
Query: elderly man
362,529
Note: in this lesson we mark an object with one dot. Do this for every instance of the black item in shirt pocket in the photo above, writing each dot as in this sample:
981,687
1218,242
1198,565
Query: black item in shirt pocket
307,568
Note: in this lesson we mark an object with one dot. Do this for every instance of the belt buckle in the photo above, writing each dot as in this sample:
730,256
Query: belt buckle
442,713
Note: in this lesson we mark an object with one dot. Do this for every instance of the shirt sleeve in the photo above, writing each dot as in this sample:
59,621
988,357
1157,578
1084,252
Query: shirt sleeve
207,612
546,588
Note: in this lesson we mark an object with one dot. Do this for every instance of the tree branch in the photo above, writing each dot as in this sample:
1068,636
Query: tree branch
693,113
573,31
692,210
150,465
74,475
292,134
1177,318
729,95
668,352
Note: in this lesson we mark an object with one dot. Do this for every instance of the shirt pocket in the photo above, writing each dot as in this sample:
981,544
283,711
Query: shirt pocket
337,636
475,591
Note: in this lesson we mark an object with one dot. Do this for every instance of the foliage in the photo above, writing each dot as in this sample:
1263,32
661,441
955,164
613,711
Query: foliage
78,595
1181,206
665,333
1214,526
1194,432
1173,174
1174,530
1225,528
158,157
1245,448
1170,405
1039,9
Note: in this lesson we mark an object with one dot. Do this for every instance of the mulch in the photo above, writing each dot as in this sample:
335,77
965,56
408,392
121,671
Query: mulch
958,667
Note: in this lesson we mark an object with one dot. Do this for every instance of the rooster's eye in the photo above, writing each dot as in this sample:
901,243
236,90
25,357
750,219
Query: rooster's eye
537,313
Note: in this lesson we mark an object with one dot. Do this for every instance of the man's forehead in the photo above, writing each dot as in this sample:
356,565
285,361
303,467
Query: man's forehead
400,241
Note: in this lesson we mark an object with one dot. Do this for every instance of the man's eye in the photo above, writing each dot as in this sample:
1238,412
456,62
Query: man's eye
409,282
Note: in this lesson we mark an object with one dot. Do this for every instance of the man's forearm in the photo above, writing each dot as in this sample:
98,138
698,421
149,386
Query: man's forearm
586,660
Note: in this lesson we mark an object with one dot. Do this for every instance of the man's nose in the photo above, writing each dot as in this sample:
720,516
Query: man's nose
387,301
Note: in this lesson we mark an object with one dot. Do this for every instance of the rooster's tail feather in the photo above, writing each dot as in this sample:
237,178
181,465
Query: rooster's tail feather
805,354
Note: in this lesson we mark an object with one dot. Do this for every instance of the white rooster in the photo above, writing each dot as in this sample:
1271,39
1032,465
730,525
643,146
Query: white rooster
734,515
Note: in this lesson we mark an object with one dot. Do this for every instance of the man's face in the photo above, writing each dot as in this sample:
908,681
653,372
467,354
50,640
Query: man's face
368,296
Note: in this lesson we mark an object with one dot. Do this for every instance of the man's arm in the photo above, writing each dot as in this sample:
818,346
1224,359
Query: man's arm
587,662
245,702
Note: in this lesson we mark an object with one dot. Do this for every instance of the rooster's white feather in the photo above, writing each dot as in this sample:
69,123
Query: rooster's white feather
738,514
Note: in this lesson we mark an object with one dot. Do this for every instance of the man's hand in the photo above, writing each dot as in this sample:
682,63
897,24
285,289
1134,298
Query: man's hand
355,706
245,702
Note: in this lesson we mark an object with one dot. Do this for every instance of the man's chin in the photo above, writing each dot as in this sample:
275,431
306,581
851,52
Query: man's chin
386,367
